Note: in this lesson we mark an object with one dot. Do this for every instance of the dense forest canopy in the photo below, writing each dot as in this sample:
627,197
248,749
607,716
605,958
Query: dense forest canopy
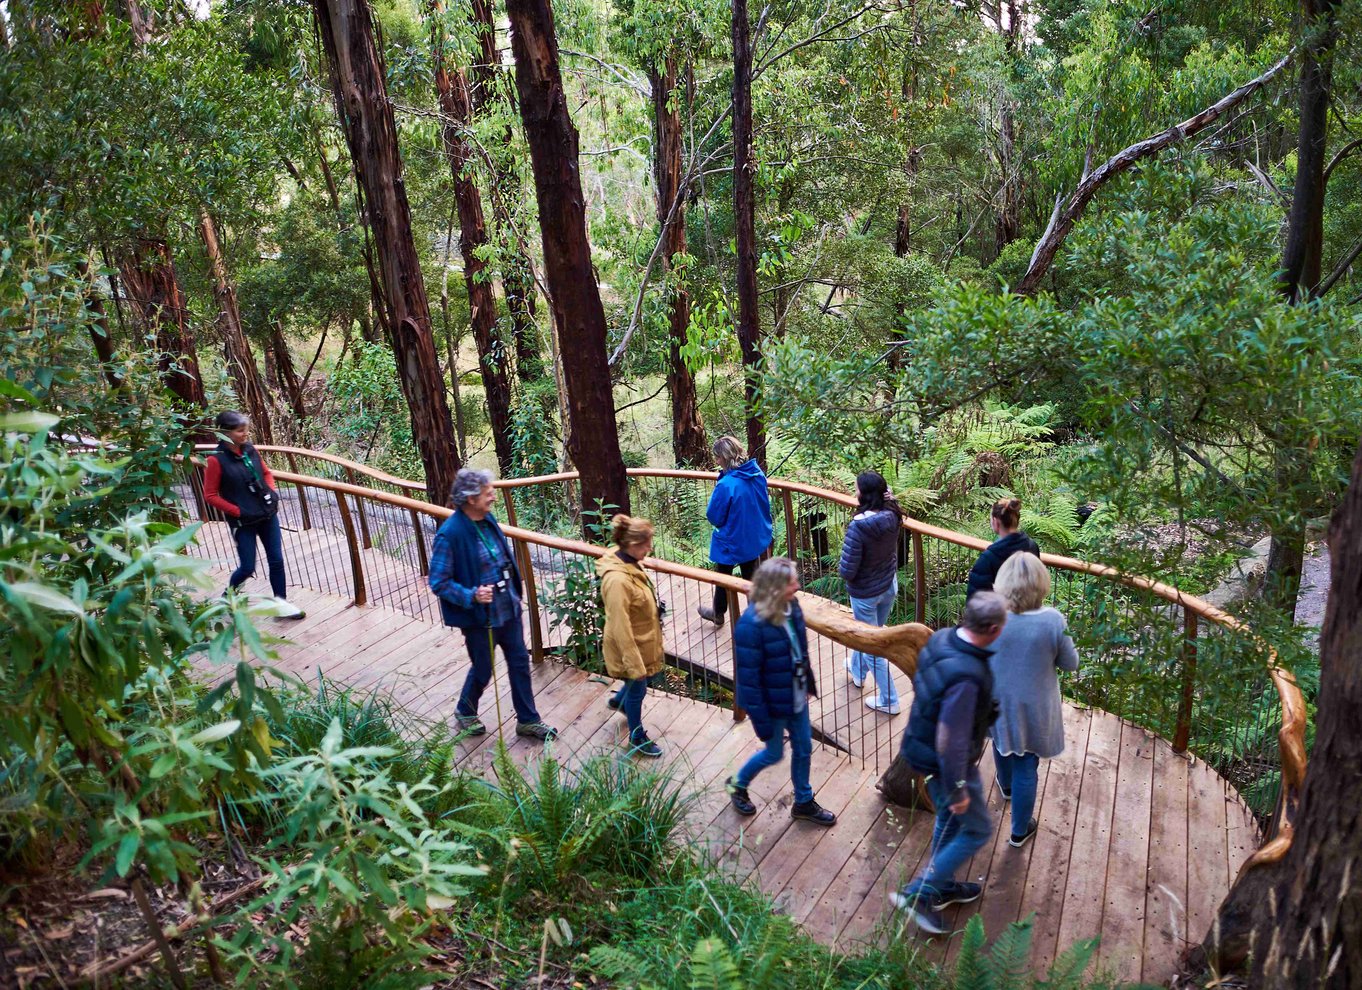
1104,256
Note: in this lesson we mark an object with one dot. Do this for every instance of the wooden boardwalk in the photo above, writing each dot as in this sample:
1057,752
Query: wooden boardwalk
1137,844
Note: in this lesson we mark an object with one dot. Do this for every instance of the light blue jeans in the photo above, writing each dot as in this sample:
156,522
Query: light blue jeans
773,751
875,612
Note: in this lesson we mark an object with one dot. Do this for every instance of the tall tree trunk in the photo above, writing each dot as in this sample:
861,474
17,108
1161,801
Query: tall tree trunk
689,444
99,327
452,90
1302,258
517,278
287,376
154,290
240,360
361,92
744,219
593,438
1007,225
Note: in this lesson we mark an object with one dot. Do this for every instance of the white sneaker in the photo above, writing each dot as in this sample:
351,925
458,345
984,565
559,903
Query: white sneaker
858,681
287,610
875,706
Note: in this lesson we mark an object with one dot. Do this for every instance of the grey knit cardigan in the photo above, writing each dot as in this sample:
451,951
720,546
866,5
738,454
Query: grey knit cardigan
1026,659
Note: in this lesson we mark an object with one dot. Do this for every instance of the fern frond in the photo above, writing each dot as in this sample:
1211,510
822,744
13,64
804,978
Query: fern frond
971,968
1067,971
1007,961
712,967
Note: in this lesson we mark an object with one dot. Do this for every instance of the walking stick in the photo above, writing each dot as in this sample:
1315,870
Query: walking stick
496,688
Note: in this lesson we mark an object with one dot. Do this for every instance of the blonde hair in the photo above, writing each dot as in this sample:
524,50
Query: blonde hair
628,531
768,588
728,452
1024,581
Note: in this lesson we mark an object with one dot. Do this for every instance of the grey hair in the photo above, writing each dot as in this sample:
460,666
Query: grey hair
768,588
467,483
984,612
230,419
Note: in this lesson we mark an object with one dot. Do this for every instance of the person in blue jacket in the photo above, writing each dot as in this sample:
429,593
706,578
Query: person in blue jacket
870,567
740,512
1006,522
474,574
775,681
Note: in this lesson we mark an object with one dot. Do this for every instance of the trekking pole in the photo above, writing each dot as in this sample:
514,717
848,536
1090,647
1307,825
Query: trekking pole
496,688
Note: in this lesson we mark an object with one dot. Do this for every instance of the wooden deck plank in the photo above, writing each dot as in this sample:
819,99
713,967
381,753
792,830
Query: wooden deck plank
1207,849
1009,868
1165,913
1123,928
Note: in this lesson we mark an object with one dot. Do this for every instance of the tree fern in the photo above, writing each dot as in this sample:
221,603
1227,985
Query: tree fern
971,967
1007,961
712,967
1067,971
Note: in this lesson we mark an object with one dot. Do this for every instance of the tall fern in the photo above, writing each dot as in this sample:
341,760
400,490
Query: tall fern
712,967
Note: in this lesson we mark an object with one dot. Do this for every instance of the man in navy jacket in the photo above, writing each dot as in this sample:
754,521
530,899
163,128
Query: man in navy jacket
474,574
952,710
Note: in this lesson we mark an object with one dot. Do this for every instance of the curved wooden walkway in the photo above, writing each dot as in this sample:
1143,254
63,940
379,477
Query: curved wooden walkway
1137,844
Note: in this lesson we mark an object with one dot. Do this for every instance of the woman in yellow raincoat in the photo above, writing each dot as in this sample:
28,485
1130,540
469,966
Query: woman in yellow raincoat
633,627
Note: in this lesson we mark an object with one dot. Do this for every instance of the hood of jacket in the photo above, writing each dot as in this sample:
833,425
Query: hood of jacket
611,563
747,471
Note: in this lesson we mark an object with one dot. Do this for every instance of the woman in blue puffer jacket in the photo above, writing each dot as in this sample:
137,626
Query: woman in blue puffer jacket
775,682
740,512
870,567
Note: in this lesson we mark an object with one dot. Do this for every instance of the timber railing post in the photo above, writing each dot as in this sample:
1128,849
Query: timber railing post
359,507
791,541
526,563
356,562
1183,733
919,580
302,491
422,560
733,613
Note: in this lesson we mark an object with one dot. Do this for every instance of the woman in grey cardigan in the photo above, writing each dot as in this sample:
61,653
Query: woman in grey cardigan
1027,657
870,567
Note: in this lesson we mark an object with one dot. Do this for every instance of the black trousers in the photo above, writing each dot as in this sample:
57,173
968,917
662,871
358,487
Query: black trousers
747,568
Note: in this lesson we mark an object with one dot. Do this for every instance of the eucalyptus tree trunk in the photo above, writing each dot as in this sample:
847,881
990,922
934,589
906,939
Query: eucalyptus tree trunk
360,88
286,375
517,278
689,444
1007,225
744,219
592,435
1302,258
154,290
100,335
451,87
240,361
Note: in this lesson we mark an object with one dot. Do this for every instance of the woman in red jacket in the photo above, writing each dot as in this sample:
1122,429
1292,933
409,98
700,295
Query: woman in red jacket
237,482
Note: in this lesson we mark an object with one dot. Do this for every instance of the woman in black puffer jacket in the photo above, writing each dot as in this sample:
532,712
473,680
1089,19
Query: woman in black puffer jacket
1006,518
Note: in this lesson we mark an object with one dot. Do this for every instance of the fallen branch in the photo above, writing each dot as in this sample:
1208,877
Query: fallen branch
97,971
1063,220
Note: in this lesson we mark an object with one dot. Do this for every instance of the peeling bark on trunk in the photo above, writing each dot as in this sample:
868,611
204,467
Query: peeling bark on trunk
517,279
689,443
360,88
452,91
744,218
154,290
593,438
240,361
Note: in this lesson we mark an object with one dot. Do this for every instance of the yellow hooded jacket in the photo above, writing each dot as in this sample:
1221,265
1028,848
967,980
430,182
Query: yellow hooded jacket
633,632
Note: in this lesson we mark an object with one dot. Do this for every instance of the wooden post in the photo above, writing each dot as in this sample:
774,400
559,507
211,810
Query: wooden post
356,562
791,537
733,613
919,580
359,505
302,492
1183,733
522,553
422,559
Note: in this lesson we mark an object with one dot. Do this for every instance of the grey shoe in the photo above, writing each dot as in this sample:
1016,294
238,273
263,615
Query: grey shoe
709,615
536,730
470,725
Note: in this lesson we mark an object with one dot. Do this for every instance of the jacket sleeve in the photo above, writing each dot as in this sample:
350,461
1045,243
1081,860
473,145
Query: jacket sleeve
212,488
442,574
1066,656
717,510
747,672
981,575
619,629
851,553
954,733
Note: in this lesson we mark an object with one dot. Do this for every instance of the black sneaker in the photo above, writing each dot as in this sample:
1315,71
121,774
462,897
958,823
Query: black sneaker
1007,795
812,811
470,725
641,745
958,892
536,730
614,703
1017,841
923,906
737,796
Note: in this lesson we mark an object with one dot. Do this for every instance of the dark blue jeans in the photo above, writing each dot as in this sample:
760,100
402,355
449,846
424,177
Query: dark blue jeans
268,533
630,697
801,752
956,837
510,636
1017,774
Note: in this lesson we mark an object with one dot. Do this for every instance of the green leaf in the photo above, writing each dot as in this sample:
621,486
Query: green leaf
127,849
28,422
45,597
214,733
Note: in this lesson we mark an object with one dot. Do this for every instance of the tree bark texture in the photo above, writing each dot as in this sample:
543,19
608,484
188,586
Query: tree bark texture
360,88
1306,933
1067,214
744,219
517,278
240,361
452,90
154,290
287,376
689,443
1007,225
593,438
100,335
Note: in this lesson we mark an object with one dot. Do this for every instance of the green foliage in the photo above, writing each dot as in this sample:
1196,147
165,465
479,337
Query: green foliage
371,411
